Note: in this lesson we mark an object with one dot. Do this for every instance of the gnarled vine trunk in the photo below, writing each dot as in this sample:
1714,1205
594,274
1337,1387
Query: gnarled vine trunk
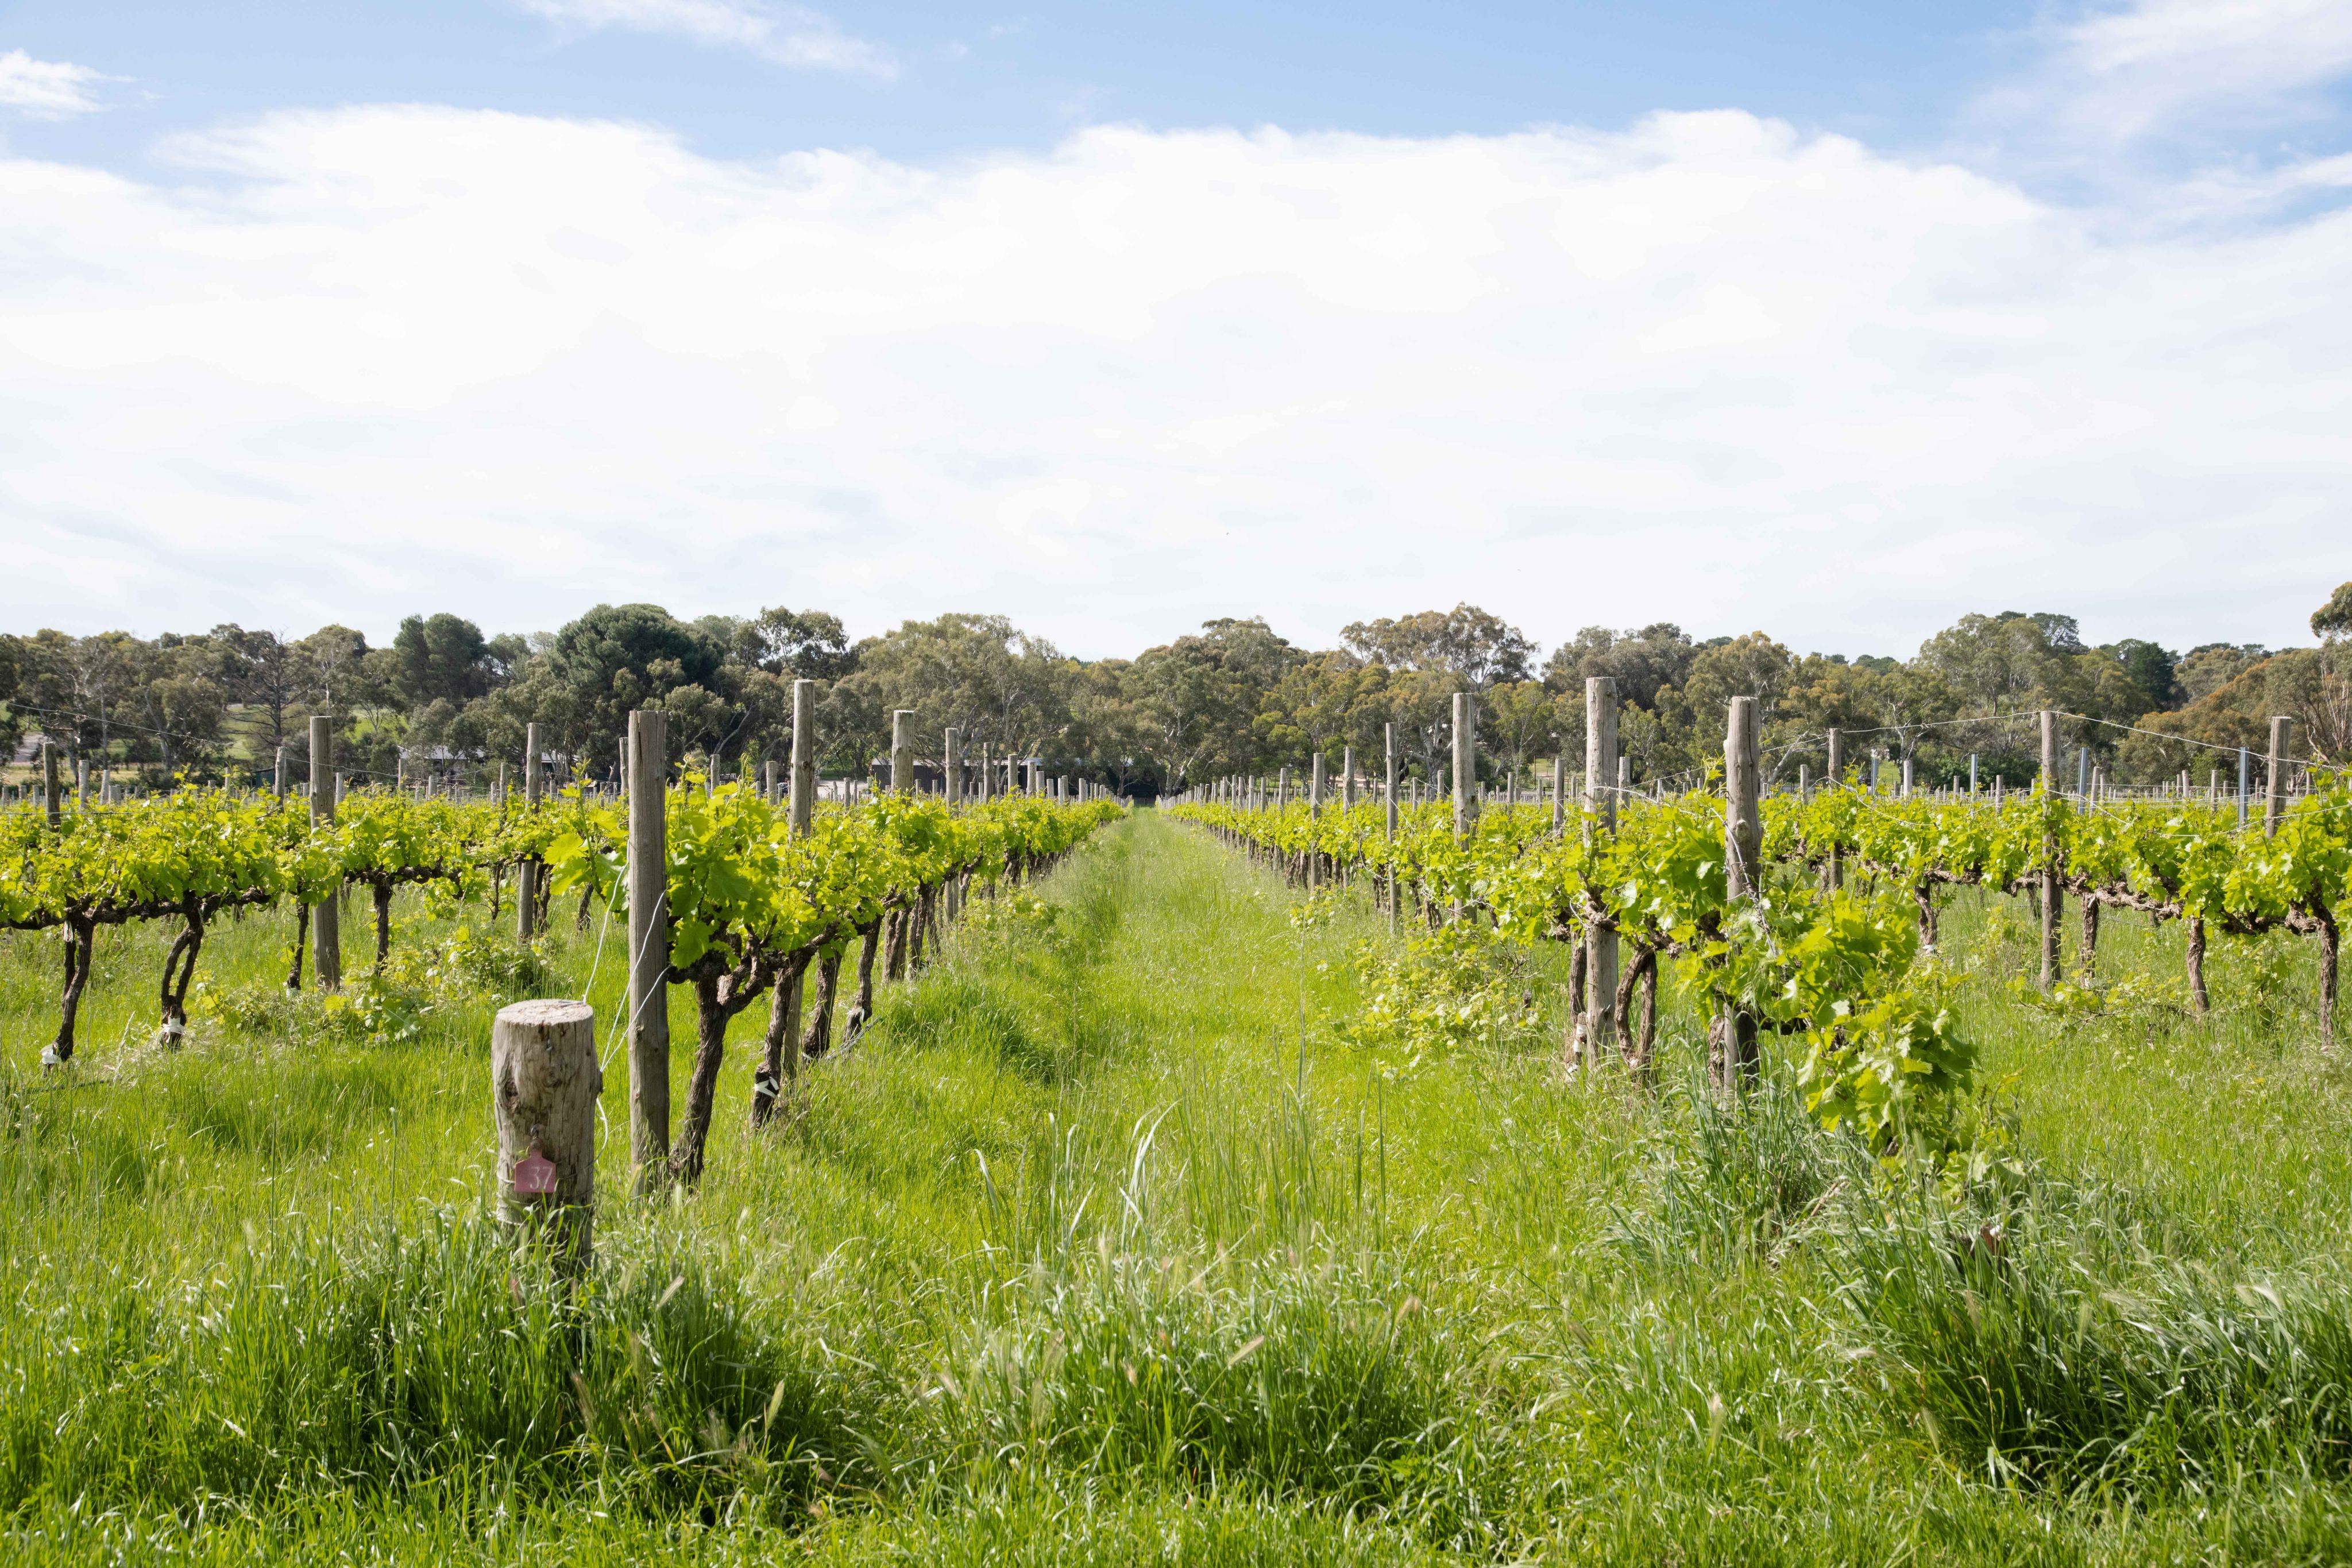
862,1009
2330,944
2197,965
718,997
780,1066
818,1037
382,893
82,936
301,944
179,968
1639,1050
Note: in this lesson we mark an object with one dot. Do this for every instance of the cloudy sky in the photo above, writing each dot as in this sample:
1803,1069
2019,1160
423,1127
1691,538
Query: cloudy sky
1837,320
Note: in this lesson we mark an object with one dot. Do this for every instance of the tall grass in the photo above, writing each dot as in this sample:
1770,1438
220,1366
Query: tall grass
420,1356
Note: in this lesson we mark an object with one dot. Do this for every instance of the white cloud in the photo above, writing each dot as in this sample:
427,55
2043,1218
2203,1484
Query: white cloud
1708,370
2150,65
45,90
2165,84
787,34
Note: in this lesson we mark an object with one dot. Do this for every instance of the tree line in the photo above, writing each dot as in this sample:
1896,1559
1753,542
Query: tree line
444,699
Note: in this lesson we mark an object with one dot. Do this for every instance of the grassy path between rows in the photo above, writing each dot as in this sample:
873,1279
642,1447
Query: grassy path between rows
1116,1241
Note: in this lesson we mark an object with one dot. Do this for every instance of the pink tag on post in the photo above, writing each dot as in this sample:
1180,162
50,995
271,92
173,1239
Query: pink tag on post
534,1172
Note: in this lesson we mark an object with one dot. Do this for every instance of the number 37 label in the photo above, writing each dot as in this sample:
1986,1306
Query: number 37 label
534,1174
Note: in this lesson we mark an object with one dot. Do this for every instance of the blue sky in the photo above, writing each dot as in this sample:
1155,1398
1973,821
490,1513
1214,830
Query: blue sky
953,78
1839,320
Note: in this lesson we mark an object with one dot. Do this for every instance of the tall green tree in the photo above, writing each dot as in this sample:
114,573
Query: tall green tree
1480,649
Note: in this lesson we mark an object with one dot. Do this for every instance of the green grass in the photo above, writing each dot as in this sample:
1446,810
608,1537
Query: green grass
1111,1242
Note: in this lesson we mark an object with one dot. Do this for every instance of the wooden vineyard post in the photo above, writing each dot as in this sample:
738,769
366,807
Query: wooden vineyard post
1466,767
528,874
1560,792
1598,1026
1347,778
326,932
648,949
902,751
1834,870
951,767
1731,1041
2050,894
1743,831
1390,794
277,776
2275,787
1314,814
803,802
52,800
544,1085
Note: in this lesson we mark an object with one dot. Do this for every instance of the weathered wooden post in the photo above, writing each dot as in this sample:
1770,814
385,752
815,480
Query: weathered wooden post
277,776
902,751
1731,1042
648,949
803,803
1389,776
326,932
2048,786
951,767
1560,792
1833,872
528,874
1388,795
1313,813
544,1086
52,785
2275,788
1600,803
1465,766
1347,778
